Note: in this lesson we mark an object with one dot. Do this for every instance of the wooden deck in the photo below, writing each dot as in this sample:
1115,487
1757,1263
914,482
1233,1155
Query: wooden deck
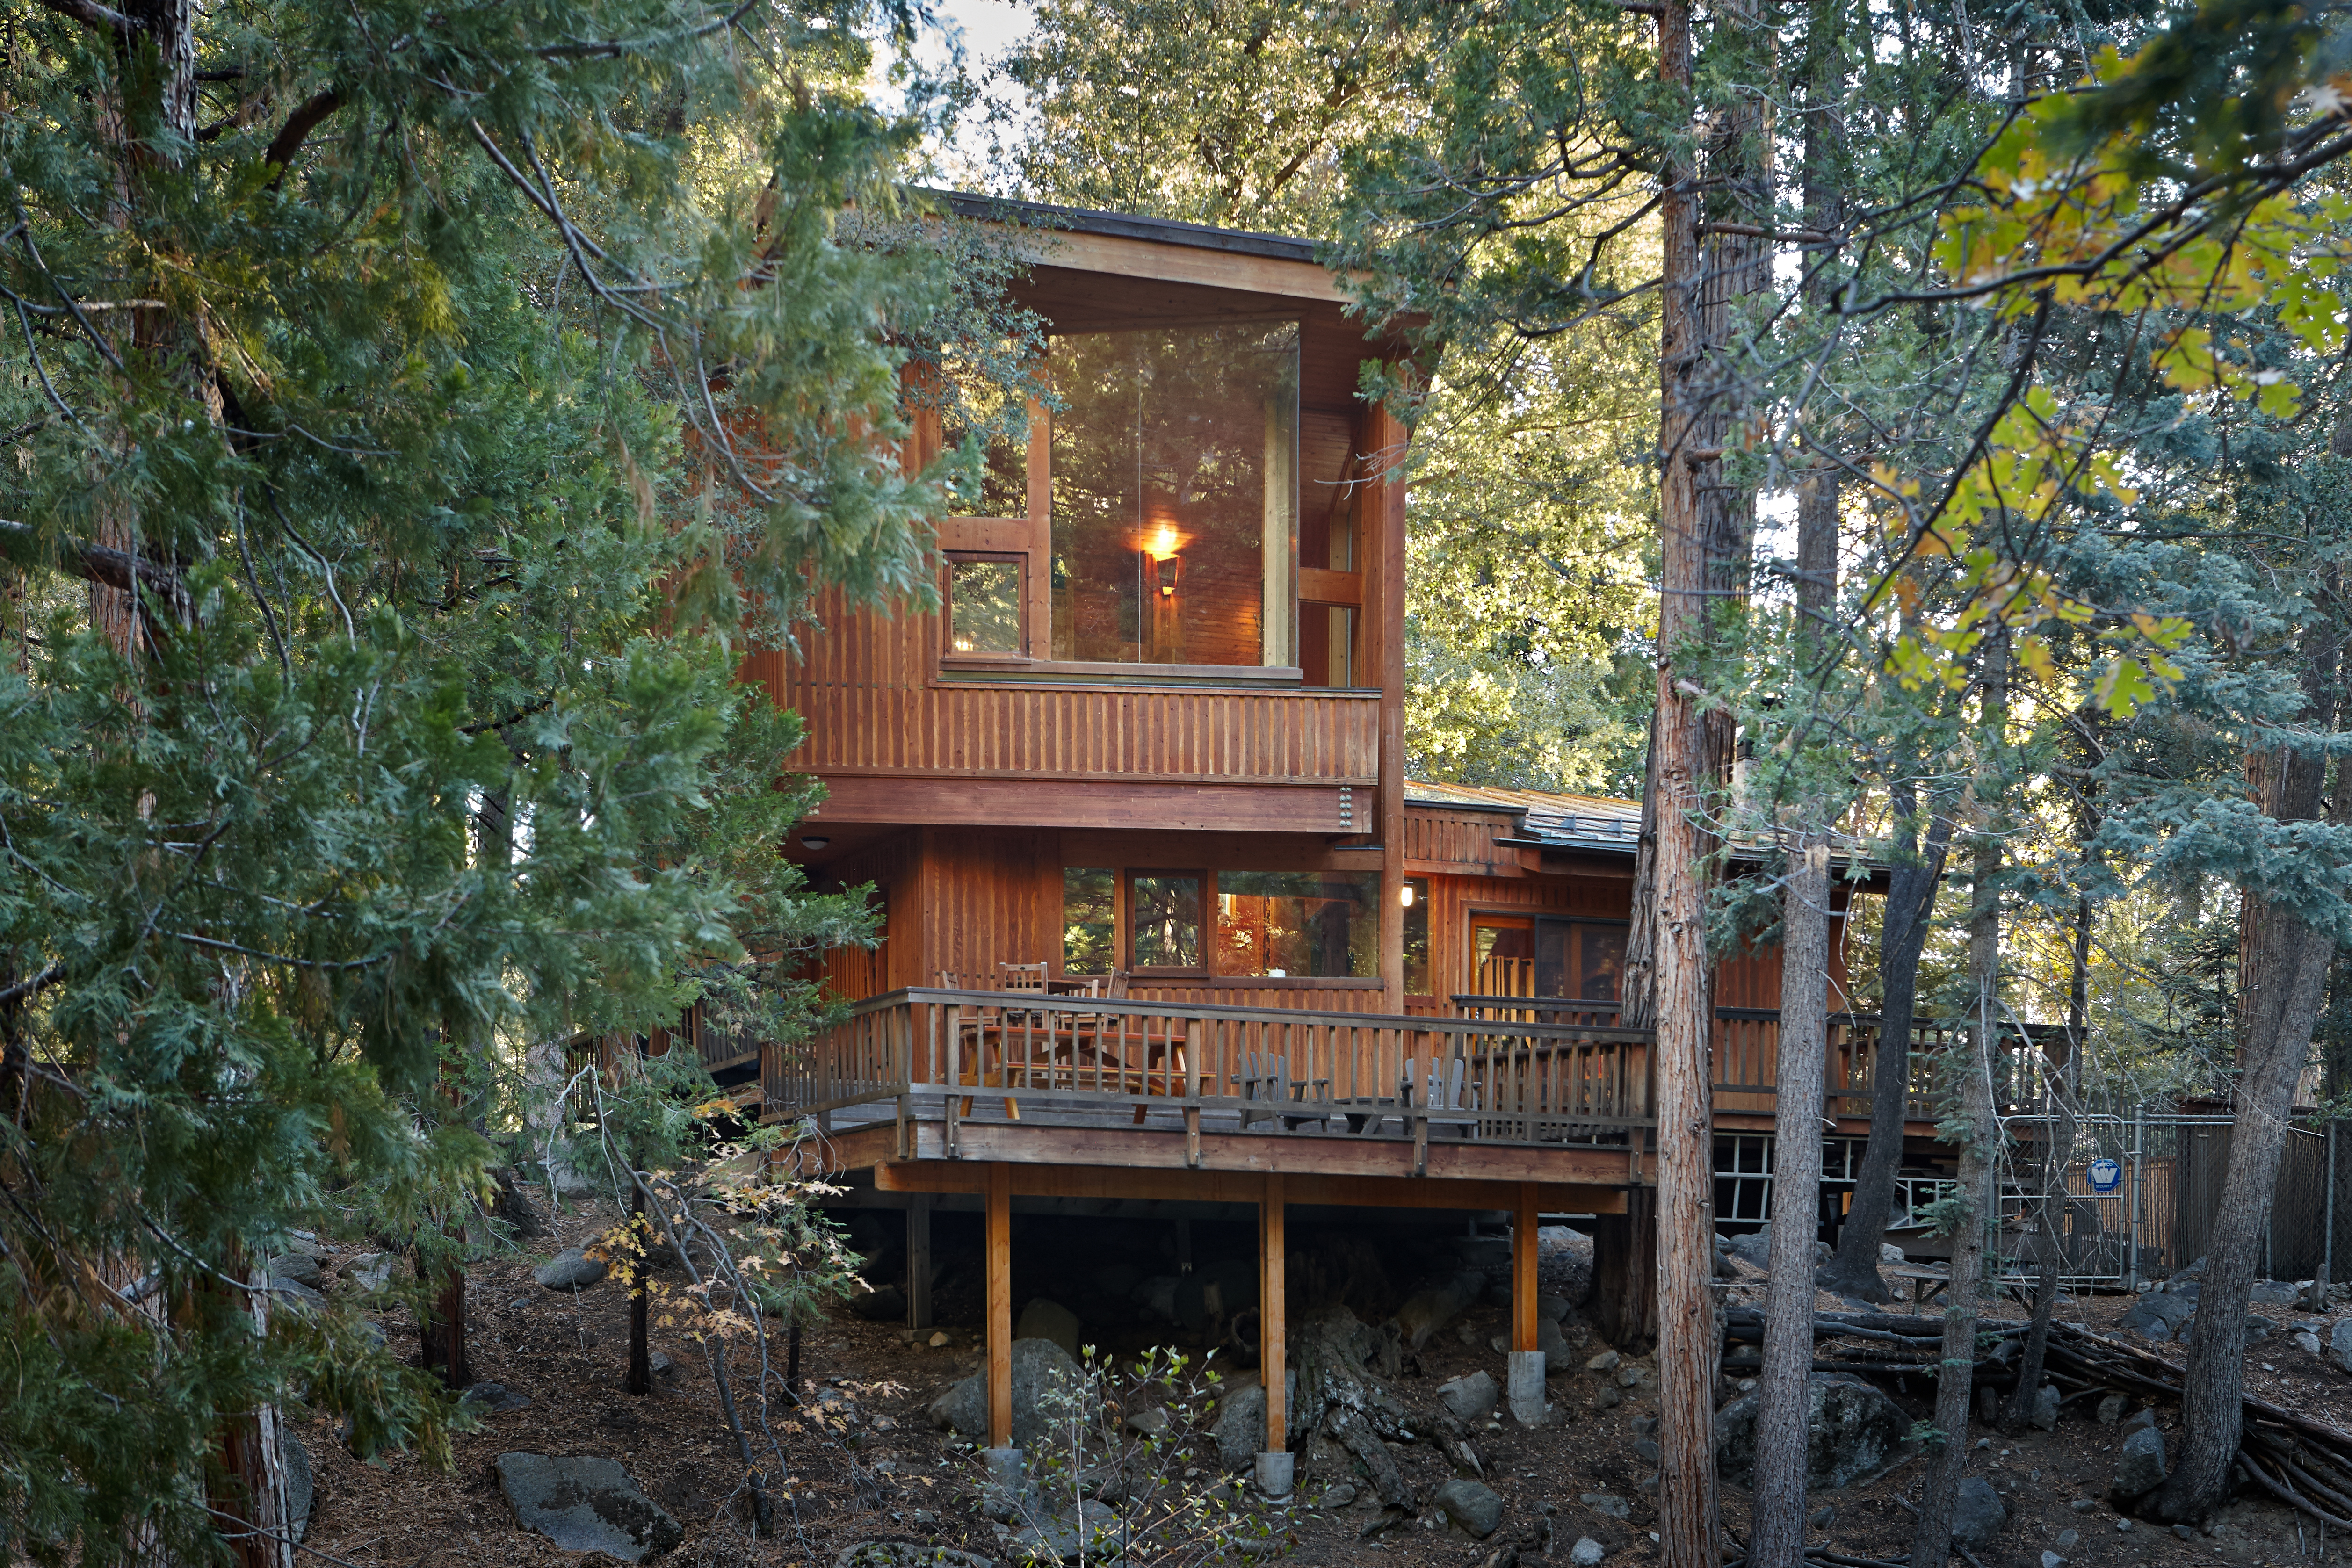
1157,1084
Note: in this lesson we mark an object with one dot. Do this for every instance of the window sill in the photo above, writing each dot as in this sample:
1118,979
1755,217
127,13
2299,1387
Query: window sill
1065,671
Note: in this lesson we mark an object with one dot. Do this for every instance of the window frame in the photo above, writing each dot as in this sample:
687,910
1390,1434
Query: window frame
949,560
1206,926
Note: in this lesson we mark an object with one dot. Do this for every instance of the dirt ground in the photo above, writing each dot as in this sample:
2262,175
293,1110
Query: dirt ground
867,1464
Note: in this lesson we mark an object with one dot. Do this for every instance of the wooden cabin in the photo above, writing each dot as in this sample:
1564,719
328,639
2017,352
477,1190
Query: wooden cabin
1164,917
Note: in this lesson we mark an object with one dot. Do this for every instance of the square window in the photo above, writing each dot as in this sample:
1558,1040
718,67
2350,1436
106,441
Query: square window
1164,913
984,604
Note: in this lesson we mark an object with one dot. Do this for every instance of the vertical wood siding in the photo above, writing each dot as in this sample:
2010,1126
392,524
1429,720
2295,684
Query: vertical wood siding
862,686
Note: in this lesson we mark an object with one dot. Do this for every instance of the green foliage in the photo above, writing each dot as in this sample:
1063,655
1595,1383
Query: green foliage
463,444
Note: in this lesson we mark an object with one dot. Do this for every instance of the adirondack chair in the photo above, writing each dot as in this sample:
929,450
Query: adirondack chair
1268,1091
1445,1092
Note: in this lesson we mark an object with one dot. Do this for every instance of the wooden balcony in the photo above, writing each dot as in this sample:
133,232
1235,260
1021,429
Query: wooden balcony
973,1074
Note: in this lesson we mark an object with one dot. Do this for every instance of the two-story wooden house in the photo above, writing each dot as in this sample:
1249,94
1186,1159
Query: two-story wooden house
1164,917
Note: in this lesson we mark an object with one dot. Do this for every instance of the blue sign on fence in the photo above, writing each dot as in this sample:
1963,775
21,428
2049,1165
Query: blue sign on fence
2107,1175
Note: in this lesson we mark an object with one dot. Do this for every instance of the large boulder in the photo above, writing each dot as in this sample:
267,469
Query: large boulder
1471,1398
2139,1468
1038,1366
1853,1434
2160,1315
2339,1344
569,1269
1042,1319
586,1505
1427,1311
1240,1426
1979,1516
1564,1263
1091,1534
1469,1507
301,1483
2273,1293
301,1266
906,1554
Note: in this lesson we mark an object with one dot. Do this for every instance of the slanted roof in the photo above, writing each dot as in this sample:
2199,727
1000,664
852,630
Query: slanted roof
1589,824
1546,819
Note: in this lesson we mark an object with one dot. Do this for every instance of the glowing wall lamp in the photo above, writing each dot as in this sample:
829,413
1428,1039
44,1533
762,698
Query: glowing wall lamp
1408,895
1166,564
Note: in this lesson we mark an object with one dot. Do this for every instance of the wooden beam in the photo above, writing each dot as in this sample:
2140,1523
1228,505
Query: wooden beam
1107,1183
1258,1154
1270,1314
958,798
1124,257
1523,1268
999,1307
1317,585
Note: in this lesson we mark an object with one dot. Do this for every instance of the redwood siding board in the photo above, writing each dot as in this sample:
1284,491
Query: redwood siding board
864,682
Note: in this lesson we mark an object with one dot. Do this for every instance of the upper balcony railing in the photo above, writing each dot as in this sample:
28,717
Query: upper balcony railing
1357,1074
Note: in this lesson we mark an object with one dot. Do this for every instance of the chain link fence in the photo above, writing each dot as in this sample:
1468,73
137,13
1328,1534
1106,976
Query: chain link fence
2133,1196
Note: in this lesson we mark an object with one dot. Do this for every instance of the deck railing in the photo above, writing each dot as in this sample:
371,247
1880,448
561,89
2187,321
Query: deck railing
1369,1075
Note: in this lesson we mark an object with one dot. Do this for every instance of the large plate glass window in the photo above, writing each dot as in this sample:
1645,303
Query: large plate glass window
1175,495
1537,956
1321,925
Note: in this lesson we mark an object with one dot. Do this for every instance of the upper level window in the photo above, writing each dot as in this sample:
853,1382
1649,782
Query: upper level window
1175,495
983,604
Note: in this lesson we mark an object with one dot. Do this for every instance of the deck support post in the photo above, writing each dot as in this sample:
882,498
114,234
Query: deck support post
999,1304
1275,1462
1523,1379
919,1260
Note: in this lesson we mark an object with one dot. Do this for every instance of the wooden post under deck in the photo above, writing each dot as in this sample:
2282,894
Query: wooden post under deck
919,1260
1385,437
1523,1270
1271,1316
999,1305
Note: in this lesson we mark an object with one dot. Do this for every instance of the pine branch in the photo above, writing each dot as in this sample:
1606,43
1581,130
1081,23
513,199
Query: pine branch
112,569
89,13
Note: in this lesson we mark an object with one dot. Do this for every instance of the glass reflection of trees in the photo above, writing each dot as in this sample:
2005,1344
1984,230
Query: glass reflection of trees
1175,495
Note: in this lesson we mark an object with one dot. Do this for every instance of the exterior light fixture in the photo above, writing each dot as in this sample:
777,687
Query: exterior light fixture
1163,553
813,840
1408,895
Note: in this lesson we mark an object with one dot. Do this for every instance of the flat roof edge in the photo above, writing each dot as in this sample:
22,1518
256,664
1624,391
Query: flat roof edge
1160,231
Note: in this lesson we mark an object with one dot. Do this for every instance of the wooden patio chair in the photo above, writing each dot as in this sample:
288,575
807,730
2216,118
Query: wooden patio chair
1446,1092
1268,1092
976,1037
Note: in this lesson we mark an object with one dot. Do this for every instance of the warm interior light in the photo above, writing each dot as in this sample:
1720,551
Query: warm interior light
1408,895
1164,542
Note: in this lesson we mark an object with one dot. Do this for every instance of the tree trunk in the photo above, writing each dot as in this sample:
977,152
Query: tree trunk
640,1379
1980,1140
1625,1273
2050,1216
2281,974
1784,1391
1689,1341
1911,887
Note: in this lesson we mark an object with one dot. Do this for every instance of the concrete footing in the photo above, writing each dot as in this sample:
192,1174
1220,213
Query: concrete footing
1274,1473
1524,1387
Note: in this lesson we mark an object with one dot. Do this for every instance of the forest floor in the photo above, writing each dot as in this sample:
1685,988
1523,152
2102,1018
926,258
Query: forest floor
868,1465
